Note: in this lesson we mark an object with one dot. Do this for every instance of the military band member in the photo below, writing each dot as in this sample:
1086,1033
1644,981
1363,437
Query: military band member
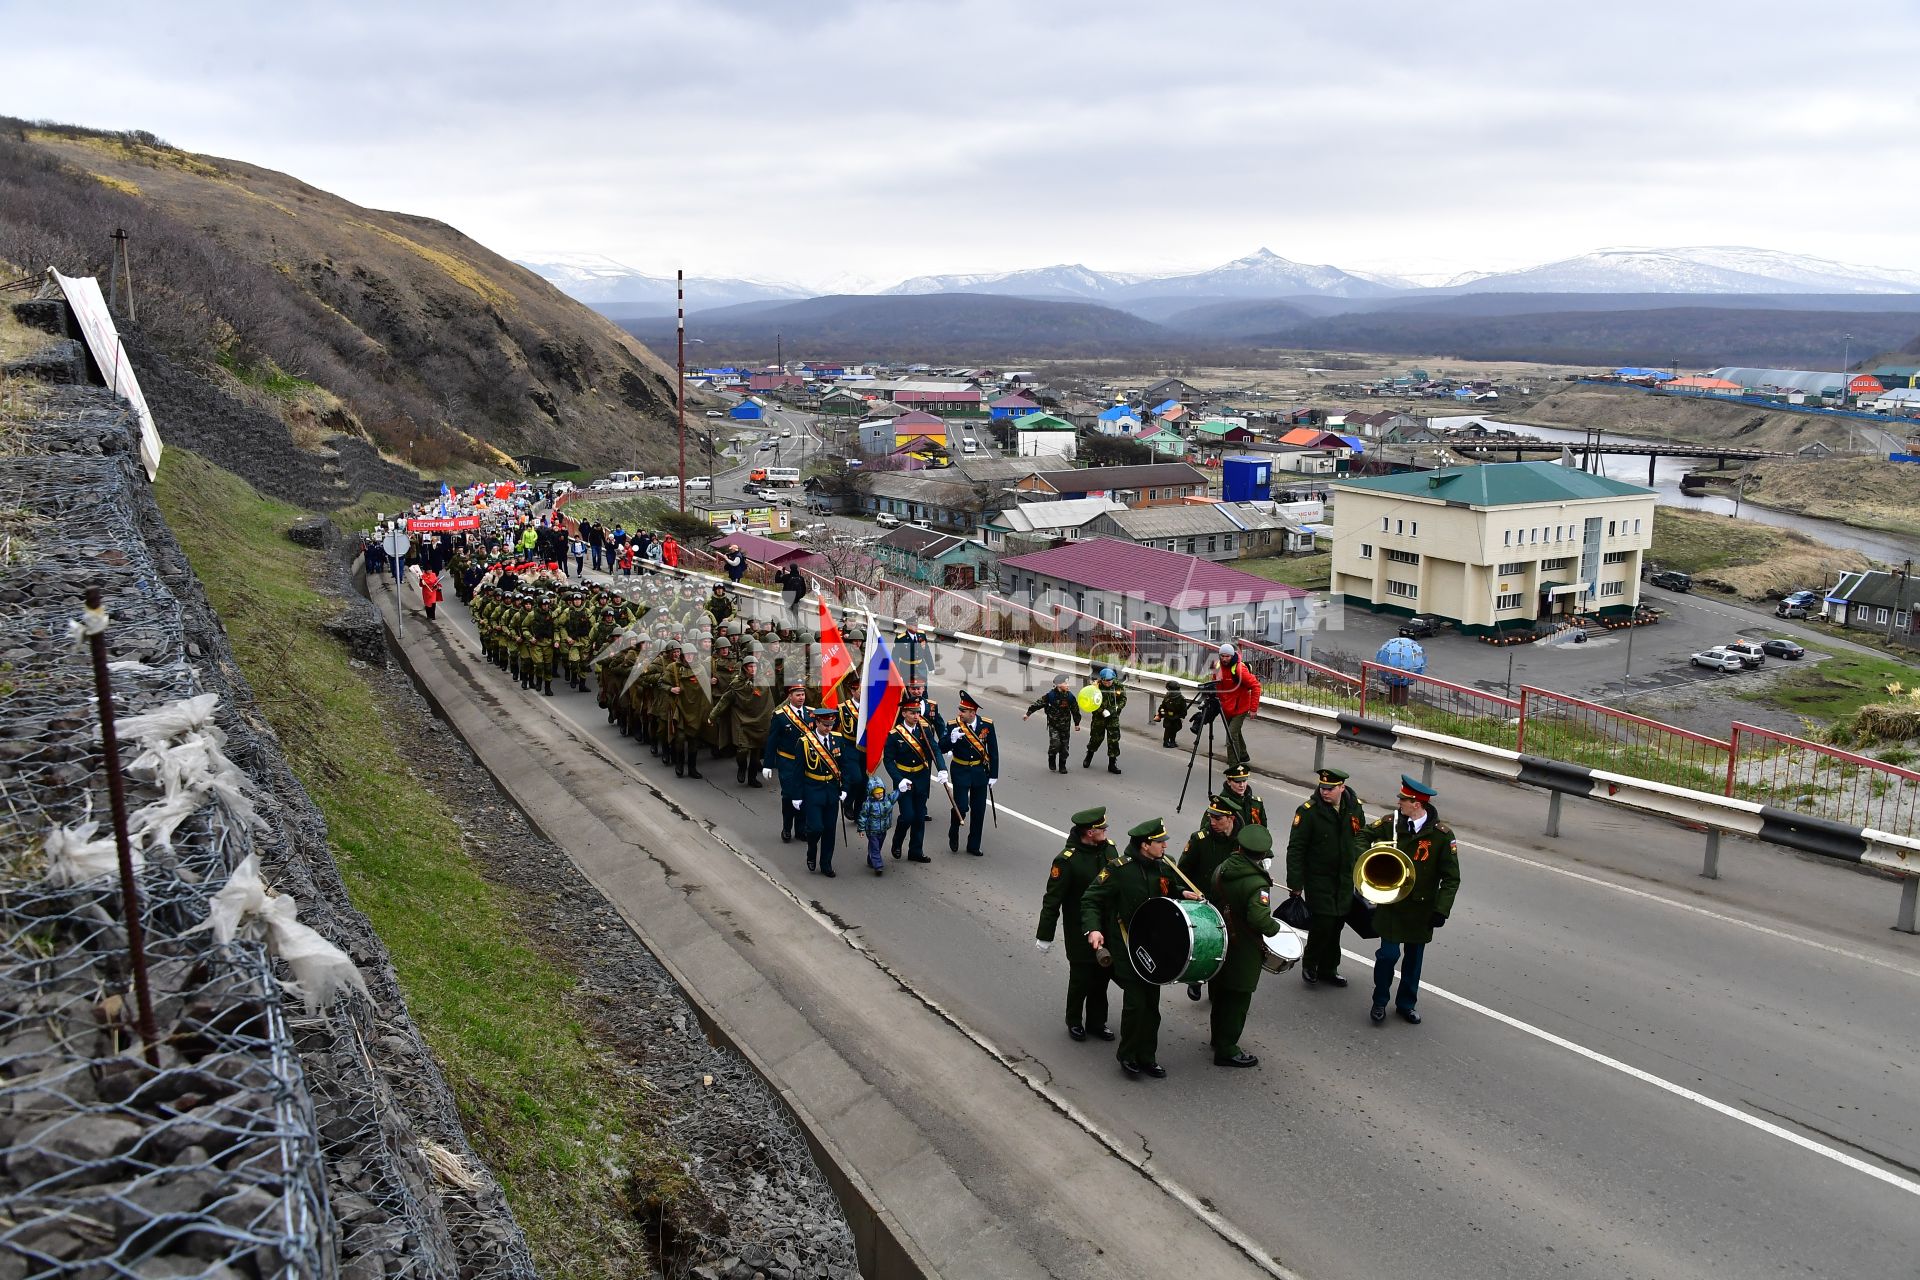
973,758
1105,910
1106,721
1406,926
1242,891
915,763
1088,852
1238,798
823,759
1328,833
1205,850
782,754
1063,721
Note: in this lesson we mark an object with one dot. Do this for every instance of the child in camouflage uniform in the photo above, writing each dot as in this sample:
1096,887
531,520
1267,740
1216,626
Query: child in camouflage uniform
1063,720
876,819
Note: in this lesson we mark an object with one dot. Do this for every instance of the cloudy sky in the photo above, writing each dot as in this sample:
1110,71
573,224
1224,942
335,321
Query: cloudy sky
824,141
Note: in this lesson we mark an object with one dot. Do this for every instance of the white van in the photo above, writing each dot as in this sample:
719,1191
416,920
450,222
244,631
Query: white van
699,482
886,521
969,447
626,479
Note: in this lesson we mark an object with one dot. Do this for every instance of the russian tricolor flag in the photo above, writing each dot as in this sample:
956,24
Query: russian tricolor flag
880,690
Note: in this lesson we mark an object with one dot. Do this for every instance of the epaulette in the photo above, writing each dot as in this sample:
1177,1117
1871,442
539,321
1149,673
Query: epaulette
1066,853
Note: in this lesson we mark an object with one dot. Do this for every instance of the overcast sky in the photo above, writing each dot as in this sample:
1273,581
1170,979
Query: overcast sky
814,140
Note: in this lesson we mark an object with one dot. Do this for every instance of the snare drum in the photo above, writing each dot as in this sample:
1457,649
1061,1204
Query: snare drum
1282,951
1174,940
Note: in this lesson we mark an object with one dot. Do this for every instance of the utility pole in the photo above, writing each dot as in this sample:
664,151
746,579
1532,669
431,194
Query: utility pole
1900,580
1741,491
122,270
779,354
680,363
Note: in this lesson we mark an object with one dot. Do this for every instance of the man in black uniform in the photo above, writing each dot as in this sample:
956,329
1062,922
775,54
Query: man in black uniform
915,763
782,754
973,753
1329,831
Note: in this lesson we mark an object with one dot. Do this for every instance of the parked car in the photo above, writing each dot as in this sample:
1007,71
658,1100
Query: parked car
1748,651
1787,610
714,413
699,482
1779,647
1420,625
1808,598
562,486
886,521
1673,580
1717,660
769,444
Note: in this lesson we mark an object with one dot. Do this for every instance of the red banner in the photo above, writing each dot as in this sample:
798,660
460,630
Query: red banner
503,491
441,524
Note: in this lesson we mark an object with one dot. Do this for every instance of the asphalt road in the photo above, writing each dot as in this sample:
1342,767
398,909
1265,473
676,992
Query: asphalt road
1624,1070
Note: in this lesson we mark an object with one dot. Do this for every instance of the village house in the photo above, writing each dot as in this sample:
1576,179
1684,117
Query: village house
1042,522
949,396
1491,548
1044,434
942,503
1012,405
1876,601
1142,485
1118,582
914,554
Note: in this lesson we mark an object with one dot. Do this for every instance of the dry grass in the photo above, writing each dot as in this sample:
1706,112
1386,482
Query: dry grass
1751,560
457,268
1866,492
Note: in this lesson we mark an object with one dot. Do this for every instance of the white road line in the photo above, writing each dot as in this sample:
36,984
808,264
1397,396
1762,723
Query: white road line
1592,1055
1677,905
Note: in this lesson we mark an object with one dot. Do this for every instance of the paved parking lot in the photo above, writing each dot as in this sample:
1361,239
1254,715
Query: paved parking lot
1601,668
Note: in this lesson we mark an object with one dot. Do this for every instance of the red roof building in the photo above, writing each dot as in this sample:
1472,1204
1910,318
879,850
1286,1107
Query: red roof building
1123,583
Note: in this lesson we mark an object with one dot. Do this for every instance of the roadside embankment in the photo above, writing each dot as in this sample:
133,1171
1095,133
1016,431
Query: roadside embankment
1750,560
1868,493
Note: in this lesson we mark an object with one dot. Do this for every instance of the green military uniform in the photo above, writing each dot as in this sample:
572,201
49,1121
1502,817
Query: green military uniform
1173,710
1063,717
1322,847
1107,906
1074,868
1247,808
745,707
1242,891
1106,722
1206,849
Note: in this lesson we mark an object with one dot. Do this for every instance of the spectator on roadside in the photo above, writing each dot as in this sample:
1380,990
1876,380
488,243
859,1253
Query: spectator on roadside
579,549
626,558
644,541
735,561
793,585
669,552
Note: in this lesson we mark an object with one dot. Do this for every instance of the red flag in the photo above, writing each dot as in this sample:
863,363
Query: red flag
835,661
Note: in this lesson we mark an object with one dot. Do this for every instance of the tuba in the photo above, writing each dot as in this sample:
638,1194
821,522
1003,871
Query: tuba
1383,874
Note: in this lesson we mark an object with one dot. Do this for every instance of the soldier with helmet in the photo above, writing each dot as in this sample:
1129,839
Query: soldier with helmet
1105,720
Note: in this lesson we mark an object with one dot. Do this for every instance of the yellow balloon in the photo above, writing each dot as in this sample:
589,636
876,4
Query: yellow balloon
1089,698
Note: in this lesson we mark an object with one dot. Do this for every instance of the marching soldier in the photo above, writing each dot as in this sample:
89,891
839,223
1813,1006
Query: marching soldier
1206,849
1172,710
1238,798
913,652
916,697
1106,722
1243,892
973,754
1088,852
688,710
1063,720
1329,831
782,754
745,707
823,757
1406,926
915,763
1105,909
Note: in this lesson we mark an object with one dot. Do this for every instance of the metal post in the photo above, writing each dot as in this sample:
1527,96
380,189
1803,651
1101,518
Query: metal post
1652,459
1711,868
1426,771
1553,813
96,631
680,365
1909,898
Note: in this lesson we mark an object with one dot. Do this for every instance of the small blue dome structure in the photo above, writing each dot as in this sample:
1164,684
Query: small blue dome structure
1402,654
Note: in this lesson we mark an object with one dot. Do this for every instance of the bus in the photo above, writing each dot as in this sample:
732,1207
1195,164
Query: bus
626,479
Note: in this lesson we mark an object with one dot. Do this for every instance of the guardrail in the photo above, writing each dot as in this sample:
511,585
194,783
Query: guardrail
1555,721
1440,705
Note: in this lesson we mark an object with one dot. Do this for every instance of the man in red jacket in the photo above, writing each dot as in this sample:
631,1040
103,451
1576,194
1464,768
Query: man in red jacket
1238,692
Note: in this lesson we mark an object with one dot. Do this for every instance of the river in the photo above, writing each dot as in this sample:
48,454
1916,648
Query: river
1888,548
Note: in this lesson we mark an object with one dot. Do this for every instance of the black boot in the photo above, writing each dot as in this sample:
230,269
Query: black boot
693,760
549,689
1086,761
679,765
1113,764
753,774
739,773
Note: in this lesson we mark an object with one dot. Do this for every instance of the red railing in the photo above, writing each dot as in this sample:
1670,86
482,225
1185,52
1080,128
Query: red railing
1425,702
1810,777
1560,727
1295,679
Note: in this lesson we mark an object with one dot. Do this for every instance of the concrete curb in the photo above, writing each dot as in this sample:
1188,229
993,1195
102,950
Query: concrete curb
947,1160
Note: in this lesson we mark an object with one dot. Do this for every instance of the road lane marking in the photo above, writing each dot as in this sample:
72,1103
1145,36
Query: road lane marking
1687,906
1645,1077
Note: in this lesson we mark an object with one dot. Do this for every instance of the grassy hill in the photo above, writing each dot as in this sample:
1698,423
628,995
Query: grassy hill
339,320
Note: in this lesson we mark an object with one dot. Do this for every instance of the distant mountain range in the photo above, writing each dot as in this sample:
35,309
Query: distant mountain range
624,292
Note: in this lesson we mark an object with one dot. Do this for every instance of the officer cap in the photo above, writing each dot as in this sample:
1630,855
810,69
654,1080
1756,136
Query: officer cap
1217,810
1256,840
1236,772
1414,789
1330,776
1095,817
967,702
1151,829
825,711
795,684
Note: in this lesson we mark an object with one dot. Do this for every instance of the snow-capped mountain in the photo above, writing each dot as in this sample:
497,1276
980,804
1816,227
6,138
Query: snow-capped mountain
1265,274
1063,281
598,280
1708,269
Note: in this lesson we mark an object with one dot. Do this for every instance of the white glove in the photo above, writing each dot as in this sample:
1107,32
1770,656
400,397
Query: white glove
992,783
843,795
941,777
1042,945
957,734
906,785
766,774
796,806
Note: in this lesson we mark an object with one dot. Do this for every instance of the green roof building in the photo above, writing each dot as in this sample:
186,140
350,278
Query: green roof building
1493,549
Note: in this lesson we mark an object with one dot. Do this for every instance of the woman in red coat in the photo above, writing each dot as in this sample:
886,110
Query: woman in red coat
429,591
1238,691
670,552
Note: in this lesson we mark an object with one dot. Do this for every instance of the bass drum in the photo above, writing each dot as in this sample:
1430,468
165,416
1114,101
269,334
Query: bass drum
1282,951
1173,940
